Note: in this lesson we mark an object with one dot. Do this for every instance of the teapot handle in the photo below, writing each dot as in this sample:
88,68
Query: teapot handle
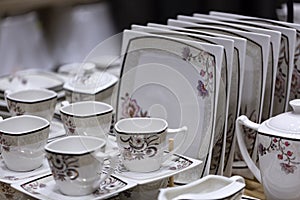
243,120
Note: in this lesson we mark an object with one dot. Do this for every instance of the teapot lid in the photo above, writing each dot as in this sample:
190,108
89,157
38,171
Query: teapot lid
288,122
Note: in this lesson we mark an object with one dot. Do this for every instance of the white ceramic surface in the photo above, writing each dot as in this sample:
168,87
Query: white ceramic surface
159,79
286,58
82,164
223,100
88,84
235,88
278,150
255,76
22,142
275,37
87,118
143,141
34,187
31,78
209,187
37,102
10,177
174,165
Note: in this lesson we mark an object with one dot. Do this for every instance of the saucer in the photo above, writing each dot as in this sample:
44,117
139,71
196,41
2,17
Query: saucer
171,167
44,187
8,176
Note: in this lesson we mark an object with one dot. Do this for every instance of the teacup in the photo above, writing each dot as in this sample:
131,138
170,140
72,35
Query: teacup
38,102
87,118
143,142
76,163
22,140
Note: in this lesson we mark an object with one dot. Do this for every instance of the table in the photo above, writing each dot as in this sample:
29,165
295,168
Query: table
254,189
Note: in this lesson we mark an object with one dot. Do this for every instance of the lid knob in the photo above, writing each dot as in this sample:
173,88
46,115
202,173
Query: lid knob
295,104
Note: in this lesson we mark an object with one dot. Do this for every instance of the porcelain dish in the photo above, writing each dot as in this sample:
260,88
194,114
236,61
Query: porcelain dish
209,187
144,93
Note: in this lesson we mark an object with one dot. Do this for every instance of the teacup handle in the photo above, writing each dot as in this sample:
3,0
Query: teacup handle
64,103
243,120
181,130
113,158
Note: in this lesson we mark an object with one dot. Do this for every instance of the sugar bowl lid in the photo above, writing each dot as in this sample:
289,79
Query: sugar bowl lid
287,123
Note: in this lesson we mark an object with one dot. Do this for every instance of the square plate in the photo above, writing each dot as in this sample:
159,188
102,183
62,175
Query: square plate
285,70
275,37
172,79
255,71
175,165
235,97
44,188
8,176
223,99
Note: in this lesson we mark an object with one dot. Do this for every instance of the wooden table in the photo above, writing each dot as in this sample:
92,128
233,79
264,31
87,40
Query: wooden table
254,189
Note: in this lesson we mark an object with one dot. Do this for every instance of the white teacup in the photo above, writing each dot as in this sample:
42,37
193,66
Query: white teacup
143,142
76,163
22,140
91,118
38,102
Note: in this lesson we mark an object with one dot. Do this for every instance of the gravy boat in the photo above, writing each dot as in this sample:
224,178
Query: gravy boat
209,187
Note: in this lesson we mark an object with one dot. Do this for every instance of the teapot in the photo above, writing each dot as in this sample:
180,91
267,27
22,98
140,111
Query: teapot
278,148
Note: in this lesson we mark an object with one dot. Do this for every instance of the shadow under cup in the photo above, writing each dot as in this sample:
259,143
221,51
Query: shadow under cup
76,163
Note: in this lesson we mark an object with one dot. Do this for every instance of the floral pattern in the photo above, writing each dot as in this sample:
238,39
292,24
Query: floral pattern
4,144
206,62
15,108
140,146
280,85
180,163
295,90
68,123
111,184
130,108
284,154
63,167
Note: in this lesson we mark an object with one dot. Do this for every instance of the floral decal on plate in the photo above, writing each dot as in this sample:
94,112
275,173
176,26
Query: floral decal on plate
280,85
130,108
63,167
180,163
295,90
284,154
110,185
140,146
33,186
15,108
206,62
68,123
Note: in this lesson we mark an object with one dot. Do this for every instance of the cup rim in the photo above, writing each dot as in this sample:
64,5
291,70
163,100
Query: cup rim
48,148
52,95
157,131
46,125
106,111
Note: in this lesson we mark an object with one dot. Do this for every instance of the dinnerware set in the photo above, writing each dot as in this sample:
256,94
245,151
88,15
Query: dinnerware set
187,81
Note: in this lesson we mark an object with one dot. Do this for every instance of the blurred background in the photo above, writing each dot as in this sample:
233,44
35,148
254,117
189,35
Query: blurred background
47,34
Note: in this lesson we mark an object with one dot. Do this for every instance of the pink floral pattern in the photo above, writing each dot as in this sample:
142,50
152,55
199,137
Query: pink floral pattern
206,62
284,154
130,108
